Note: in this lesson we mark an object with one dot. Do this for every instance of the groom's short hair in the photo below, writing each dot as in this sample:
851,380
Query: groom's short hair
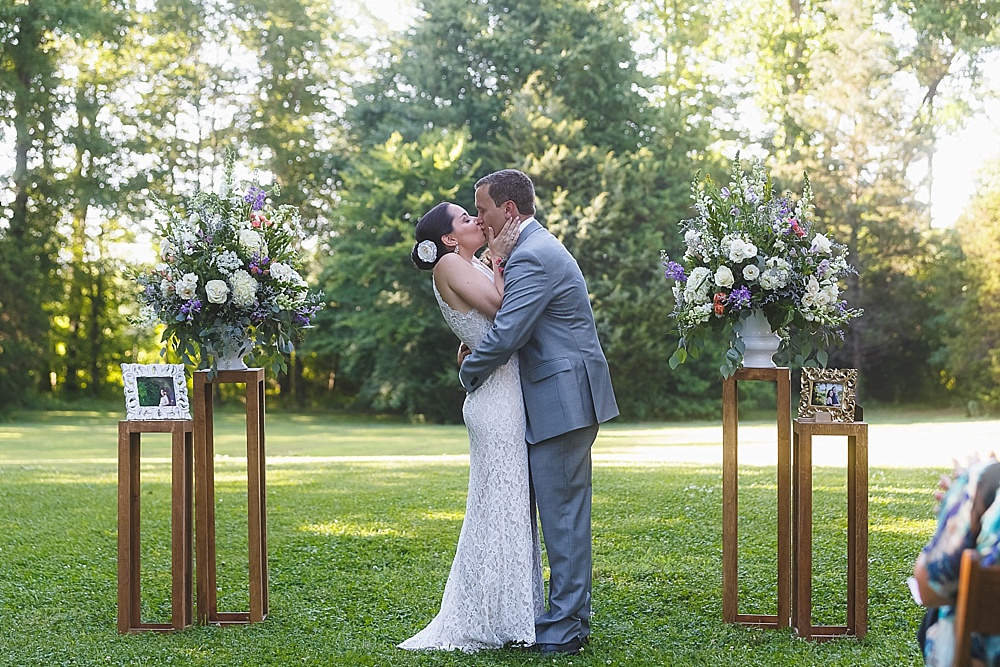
510,185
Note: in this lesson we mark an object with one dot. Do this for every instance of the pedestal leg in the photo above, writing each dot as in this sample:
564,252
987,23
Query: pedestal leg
730,499
180,519
257,520
128,528
857,535
803,535
204,499
784,496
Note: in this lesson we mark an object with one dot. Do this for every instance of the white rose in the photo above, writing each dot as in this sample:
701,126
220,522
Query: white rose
250,240
821,244
283,273
217,291
697,287
187,286
724,277
166,289
751,272
741,250
832,292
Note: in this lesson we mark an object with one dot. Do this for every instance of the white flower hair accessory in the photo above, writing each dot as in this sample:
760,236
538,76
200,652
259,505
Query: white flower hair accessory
427,251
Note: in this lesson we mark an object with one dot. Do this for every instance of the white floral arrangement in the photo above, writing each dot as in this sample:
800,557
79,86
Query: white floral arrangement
750,249
229,271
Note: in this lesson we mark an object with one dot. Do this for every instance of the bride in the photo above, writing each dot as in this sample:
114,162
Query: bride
494,590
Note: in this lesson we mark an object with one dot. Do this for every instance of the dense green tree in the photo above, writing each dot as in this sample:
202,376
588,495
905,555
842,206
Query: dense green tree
37,34
290,122
381,338
615,212
950,39
463,61
87,322
837,110
973,359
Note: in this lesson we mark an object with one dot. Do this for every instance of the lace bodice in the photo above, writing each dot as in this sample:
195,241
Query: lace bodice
470,327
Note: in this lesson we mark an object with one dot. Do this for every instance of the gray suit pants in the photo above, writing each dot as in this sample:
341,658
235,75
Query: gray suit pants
560,470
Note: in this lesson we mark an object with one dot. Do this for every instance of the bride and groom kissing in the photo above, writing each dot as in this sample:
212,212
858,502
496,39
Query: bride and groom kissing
538,387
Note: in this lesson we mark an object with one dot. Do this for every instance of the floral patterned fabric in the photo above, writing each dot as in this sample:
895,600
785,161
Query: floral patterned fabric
943,558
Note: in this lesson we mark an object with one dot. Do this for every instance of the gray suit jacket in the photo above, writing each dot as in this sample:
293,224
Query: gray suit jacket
546,316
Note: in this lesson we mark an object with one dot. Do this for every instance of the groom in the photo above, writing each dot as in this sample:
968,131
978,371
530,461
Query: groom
546,316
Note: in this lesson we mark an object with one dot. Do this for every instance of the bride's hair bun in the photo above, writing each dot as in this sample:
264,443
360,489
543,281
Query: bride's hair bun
428,248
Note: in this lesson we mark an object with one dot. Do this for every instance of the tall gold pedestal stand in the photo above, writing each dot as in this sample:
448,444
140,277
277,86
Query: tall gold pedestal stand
129,435
208,611
730,495
857,529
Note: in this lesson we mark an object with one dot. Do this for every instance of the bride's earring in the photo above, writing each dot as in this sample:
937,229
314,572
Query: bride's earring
456,249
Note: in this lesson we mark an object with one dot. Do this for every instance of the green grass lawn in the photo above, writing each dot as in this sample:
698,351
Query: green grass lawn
363,519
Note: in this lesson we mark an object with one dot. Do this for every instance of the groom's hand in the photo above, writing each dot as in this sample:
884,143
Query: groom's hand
463,352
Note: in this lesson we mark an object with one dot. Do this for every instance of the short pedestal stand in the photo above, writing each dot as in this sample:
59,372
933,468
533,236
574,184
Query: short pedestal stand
857,529
730,495
129,434
205,496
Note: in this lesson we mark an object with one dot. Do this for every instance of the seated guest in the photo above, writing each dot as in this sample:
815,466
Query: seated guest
968,518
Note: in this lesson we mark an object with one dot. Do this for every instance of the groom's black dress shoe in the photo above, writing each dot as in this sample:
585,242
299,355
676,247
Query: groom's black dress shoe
572,647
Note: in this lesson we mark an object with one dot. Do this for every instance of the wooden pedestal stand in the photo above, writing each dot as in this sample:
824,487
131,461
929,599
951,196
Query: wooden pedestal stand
205,496
857,529
129,434
730,495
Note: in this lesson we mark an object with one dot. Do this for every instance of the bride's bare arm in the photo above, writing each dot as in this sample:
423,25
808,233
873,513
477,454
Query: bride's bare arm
458,278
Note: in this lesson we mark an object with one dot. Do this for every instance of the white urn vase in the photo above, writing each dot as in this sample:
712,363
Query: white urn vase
760,342
231,356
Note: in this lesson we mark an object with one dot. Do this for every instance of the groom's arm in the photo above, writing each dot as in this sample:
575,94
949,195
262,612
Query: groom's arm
526,295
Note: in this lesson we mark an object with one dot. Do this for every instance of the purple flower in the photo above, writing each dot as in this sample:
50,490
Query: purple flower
725,193
259,266
255,197
740,297
190,309
303,316
675,272
823,268
734,211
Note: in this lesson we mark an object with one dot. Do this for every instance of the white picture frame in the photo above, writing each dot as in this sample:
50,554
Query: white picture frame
155,392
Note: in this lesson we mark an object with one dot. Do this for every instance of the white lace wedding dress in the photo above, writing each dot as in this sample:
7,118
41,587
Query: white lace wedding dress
495,589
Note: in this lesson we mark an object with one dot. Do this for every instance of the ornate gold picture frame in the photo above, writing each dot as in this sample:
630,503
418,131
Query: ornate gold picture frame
829,390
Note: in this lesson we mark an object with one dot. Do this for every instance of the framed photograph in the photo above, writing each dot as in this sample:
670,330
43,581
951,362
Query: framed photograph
828,390
155,391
